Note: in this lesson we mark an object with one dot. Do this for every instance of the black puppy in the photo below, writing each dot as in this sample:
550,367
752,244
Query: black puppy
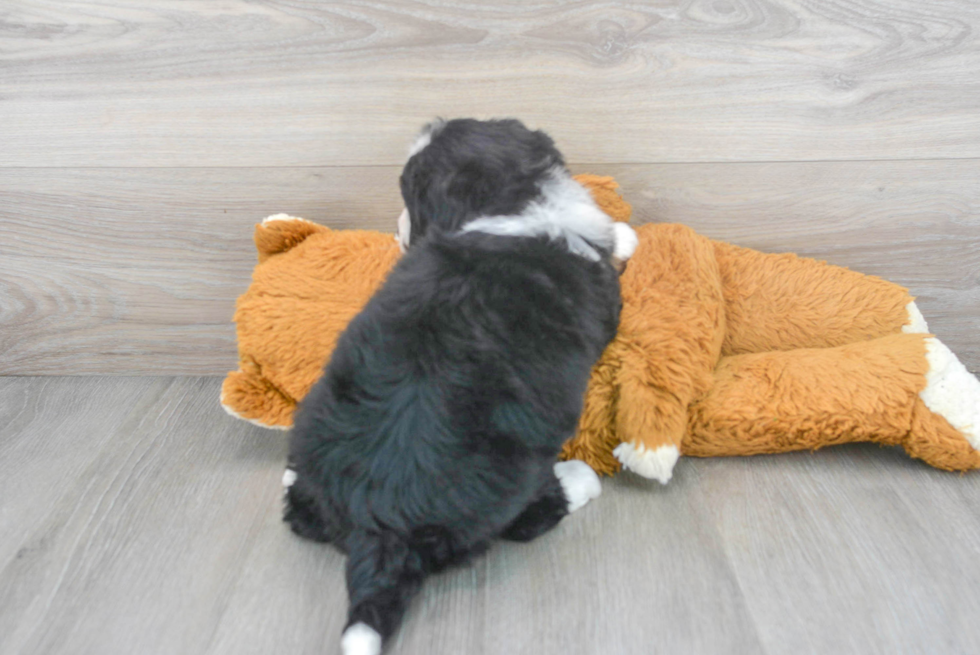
437,423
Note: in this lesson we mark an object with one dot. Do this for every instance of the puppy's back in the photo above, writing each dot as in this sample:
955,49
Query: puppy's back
473,355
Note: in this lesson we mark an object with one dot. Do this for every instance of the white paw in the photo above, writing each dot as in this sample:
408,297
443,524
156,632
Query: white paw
656,464
282,217
360,639
952,391
288,478
404,230
917,322
626,241
579,482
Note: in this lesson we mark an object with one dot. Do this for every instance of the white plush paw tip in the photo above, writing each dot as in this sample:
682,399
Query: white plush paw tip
656,464
288,478
360,639
232,412
952,391
282,217
579,482
917,322
626,241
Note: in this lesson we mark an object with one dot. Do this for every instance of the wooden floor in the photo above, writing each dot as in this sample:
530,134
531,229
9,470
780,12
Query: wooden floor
136,517
141,141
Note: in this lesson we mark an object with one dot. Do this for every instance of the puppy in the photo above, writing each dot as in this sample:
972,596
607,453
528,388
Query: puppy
437,423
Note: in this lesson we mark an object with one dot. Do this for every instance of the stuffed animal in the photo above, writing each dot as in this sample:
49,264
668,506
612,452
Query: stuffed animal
721,350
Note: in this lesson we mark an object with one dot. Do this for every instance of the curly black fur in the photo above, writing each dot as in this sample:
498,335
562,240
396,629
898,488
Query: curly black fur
436,425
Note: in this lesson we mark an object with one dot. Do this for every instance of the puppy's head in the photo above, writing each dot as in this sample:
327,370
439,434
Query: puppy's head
464,169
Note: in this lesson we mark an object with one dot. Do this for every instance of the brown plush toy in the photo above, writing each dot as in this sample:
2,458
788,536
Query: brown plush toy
721,350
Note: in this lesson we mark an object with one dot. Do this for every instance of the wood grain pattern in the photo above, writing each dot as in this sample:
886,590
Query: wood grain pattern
915,223
239,83
881,550
139,552
50,434
135,271
165,536
142,140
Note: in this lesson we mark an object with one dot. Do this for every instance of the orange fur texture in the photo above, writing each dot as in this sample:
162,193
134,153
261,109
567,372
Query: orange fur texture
721,350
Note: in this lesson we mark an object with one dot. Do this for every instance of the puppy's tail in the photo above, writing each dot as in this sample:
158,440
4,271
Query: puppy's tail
384,571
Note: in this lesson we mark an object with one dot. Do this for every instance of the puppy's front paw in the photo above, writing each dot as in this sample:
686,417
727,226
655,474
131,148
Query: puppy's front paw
403,230
624,246
656,464
579,482
626,241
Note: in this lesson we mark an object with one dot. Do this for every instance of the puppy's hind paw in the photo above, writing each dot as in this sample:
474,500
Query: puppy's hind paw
579,482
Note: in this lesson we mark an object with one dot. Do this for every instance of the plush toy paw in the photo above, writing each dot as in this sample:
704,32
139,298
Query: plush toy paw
579,482
952,391
231,412
656,464
244,395
917,322
360,639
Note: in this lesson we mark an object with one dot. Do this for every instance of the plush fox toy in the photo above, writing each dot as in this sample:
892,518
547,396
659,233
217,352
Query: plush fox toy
721,350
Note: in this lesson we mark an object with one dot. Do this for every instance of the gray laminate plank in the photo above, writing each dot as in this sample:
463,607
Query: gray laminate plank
170,540
135,271
292,597
610,579
141,550
51,431
138,270
642,571
850,550
131,83
890,219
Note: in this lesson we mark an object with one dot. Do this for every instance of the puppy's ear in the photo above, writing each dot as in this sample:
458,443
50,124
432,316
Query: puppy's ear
414,182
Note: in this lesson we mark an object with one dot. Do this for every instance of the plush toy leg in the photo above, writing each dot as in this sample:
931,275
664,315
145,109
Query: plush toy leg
669,341
598,440
904,389
596,437
782,302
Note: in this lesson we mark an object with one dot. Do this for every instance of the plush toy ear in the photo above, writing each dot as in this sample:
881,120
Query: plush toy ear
281,232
